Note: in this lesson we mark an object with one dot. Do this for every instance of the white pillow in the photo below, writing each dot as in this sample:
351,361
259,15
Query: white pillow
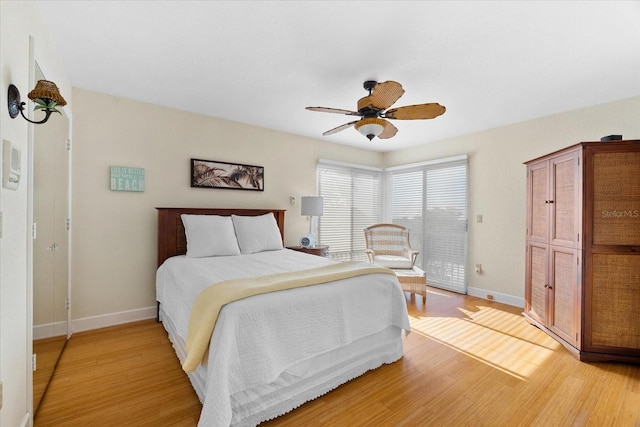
257,233
209,235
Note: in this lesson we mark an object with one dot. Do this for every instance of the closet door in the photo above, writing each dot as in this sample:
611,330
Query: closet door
50,247
50,213
61,230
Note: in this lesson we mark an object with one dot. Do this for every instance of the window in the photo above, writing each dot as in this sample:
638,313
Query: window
352,201
431,200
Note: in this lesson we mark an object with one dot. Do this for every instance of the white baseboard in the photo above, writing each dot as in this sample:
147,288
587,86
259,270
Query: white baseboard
497,296
112,319
49,330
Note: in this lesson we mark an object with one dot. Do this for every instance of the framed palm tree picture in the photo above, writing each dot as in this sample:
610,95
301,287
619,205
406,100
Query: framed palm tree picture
214,174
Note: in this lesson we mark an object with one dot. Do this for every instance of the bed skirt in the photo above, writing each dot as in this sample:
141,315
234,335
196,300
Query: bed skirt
301,382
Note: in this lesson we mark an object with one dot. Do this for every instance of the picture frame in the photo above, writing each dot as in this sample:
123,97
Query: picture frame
230,176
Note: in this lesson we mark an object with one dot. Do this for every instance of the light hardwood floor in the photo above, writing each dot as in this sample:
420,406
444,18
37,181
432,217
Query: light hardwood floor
468,362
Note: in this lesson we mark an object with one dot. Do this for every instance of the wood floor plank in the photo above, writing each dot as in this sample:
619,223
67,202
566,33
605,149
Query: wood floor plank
467,362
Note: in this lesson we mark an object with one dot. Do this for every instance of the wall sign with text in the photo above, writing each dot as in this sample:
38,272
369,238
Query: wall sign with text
124,178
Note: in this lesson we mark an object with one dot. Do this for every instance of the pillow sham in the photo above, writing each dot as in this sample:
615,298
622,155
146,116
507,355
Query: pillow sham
209,235
257,233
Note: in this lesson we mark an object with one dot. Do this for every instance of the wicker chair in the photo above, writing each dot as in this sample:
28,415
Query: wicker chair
388,245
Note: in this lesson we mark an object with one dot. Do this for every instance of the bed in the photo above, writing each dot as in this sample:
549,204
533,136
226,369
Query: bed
269,352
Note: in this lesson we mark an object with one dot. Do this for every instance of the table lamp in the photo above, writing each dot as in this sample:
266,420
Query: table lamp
310,206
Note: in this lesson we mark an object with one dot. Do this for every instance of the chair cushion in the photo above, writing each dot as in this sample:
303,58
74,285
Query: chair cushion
392,261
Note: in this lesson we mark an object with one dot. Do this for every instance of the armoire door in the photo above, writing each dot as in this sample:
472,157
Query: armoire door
565,200
538,202
537,281
564,293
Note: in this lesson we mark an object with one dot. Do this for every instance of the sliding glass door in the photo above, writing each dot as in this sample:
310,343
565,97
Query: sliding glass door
431,199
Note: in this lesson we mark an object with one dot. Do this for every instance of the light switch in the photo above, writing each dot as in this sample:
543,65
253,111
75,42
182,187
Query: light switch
11,165
479,218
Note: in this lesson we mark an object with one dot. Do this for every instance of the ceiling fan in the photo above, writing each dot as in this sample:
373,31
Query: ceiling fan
374,119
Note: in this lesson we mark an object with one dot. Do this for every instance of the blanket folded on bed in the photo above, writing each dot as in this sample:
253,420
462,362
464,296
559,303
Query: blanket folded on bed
210,301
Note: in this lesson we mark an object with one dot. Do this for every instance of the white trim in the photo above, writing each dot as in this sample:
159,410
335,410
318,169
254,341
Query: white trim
112,319
497,296
69,216
428,163
50,330
348,165
26,420
394,168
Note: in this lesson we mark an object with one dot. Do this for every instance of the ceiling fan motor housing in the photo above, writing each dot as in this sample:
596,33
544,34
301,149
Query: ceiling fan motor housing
369,85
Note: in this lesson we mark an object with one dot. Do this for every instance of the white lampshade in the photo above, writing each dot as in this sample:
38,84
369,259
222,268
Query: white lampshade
370,127
312,205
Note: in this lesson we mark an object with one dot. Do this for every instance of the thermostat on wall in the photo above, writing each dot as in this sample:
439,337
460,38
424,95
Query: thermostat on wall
10,165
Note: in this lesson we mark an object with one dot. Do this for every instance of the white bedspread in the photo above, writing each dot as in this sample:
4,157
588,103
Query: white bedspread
270,353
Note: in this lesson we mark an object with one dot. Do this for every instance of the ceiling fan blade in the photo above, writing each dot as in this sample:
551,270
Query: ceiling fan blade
416,112
383,95
388,131
339,128
333,110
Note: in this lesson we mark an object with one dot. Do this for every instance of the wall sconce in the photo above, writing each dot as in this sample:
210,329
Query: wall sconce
45,95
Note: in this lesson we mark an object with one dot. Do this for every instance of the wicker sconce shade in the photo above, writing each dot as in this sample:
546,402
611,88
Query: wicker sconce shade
47,90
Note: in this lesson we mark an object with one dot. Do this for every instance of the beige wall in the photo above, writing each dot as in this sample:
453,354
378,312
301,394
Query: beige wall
497,179
18,21
114,233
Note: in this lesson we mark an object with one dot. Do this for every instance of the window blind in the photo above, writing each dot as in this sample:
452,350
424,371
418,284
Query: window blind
352,201
431,200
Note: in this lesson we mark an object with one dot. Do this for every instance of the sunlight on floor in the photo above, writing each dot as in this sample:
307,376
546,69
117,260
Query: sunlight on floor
492,337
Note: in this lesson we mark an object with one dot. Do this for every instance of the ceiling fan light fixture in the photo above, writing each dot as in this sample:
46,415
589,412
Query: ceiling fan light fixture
375,112
370,127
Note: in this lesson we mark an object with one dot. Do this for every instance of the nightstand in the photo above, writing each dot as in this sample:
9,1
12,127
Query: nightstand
320,250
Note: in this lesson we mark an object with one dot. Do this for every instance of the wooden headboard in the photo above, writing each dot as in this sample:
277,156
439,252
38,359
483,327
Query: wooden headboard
171,238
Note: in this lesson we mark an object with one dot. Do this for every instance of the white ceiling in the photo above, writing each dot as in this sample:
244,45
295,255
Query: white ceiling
491,63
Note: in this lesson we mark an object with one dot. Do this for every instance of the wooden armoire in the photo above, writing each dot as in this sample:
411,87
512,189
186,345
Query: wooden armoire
582,274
